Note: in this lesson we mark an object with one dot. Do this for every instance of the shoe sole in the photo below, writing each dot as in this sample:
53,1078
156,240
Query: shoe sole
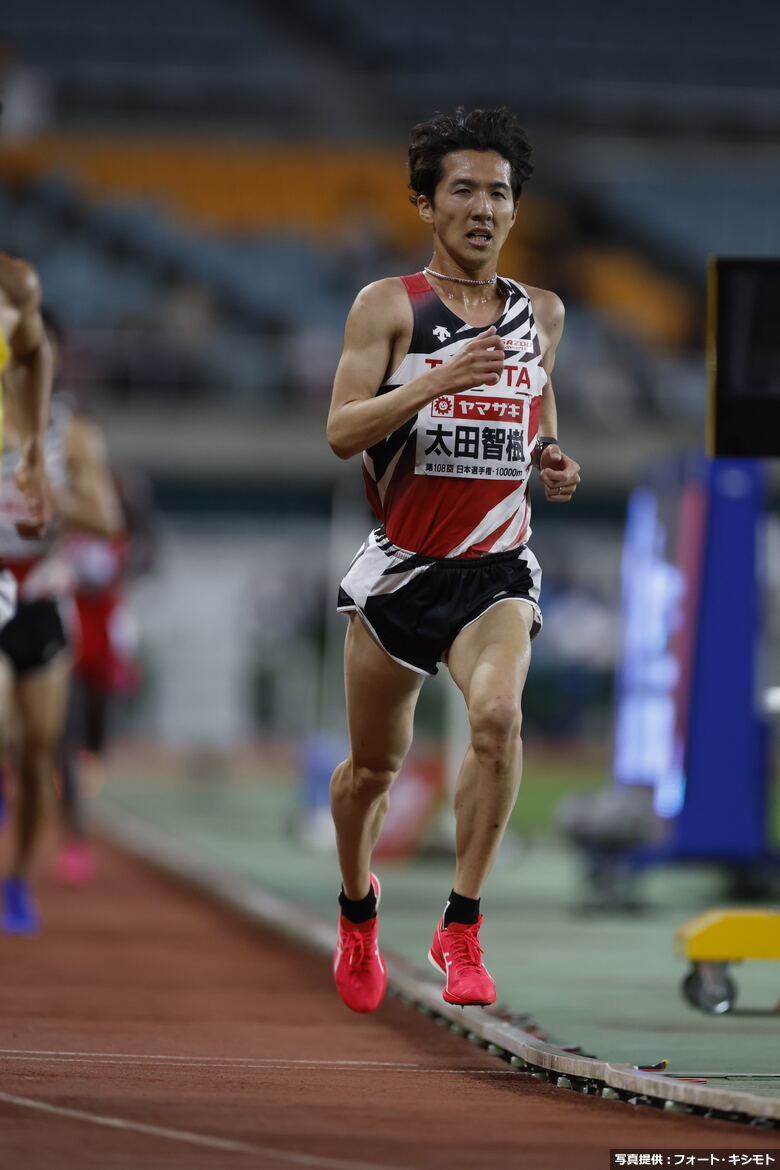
450,999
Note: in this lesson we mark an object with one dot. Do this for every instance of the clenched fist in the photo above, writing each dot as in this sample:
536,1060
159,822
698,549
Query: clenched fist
479,363
559,474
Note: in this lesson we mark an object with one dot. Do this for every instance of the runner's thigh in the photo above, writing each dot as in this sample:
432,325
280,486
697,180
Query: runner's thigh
492,655
381,698
7,684
41,697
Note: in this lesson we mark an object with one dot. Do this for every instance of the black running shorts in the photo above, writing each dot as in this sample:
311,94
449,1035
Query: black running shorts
415,606
34,636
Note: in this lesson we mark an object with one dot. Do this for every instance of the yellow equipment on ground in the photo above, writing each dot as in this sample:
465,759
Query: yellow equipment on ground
714,940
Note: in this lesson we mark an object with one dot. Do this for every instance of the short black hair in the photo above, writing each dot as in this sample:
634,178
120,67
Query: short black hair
497,130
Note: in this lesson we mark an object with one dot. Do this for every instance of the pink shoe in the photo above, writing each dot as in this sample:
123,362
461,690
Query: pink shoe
456,952
75,864
358,968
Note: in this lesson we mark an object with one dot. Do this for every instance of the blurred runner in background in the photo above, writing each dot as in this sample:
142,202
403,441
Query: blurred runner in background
105,666
35,655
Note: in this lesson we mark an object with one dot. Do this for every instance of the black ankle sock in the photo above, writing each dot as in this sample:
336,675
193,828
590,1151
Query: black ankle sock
460,909
359,911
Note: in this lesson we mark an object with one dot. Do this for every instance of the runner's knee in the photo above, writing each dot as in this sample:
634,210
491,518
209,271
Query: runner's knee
495,727
371,781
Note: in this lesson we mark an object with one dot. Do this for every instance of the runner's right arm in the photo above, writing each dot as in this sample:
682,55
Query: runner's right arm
359,417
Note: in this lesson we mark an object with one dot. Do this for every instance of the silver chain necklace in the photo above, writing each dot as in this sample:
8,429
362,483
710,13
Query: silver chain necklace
458,279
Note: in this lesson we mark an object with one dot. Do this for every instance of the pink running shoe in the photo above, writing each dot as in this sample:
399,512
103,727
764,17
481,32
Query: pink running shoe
75,864
358,968
456,952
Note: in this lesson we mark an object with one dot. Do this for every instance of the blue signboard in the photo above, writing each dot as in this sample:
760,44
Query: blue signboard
689,720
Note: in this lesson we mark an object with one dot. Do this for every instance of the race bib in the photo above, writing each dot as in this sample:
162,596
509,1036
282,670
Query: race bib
473,435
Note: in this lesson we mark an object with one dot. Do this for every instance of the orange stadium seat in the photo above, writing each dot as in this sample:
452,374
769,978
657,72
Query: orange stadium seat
233,187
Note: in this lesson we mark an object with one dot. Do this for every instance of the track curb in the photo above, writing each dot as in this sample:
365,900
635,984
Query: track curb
489,1028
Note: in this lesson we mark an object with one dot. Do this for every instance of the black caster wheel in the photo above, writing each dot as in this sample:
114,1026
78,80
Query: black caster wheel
708,987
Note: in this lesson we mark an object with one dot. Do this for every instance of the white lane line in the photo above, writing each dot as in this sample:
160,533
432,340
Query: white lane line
278,1065
194,1139
242,1060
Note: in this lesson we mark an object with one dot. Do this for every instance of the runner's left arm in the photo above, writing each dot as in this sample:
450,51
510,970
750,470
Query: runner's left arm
559,473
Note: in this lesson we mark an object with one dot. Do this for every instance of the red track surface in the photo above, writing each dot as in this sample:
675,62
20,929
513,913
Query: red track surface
142,1004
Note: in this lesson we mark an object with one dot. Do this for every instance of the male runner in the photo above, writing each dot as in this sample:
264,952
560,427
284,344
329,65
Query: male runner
105,664
444,385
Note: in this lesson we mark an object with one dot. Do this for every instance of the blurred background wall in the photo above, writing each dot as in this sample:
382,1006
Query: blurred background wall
204,185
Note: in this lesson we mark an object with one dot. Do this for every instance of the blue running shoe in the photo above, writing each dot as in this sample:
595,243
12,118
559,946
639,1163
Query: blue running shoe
19,913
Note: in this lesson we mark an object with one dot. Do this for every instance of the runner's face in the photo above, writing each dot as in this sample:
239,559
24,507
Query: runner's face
473,210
